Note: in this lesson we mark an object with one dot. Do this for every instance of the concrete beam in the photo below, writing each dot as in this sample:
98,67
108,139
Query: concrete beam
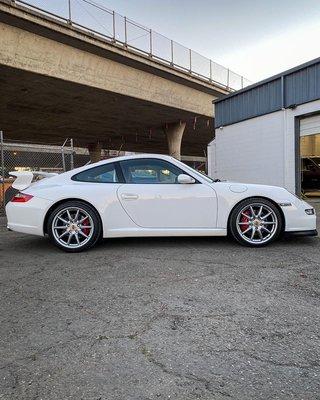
28,51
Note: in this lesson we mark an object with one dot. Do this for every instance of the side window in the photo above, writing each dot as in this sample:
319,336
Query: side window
102,174
150,170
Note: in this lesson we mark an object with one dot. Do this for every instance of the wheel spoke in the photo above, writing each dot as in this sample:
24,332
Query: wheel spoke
265,229
69,215
260,211
260,234
252,212
253,233
245,215
85,226
267,215
83,234
69,238
77,215
269,223
77,238
247,230
63,220
63,234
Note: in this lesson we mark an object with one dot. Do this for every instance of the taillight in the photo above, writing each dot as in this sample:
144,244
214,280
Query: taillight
21,198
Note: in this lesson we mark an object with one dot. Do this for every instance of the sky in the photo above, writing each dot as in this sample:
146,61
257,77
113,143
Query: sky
255,38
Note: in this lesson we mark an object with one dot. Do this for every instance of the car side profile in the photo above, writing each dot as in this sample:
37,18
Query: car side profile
151,195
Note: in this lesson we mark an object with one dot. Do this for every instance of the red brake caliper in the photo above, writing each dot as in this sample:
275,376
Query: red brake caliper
244,219
85,222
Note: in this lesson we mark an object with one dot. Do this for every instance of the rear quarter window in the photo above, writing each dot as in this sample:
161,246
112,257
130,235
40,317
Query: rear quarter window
101,174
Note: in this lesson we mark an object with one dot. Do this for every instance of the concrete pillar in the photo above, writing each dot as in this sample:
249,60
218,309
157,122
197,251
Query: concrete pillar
174,134
95,151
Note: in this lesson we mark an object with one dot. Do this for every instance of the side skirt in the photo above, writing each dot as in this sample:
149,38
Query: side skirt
148,232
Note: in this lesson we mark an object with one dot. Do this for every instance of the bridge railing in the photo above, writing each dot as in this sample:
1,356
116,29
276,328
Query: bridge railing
122,31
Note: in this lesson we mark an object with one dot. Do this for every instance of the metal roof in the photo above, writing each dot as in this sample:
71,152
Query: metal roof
295,86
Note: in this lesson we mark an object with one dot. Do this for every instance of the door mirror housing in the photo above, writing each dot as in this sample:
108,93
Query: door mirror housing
184,178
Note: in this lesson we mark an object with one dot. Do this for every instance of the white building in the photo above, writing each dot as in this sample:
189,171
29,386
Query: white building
269,132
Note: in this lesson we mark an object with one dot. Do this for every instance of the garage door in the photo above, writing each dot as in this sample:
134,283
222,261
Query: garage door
310,155
310,125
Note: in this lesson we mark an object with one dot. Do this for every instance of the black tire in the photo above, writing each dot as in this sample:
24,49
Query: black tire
237,228
94,222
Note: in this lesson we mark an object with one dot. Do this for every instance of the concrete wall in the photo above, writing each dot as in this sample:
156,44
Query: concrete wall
258,150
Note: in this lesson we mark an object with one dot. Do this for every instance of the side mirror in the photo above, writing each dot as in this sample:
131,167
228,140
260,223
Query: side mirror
183,178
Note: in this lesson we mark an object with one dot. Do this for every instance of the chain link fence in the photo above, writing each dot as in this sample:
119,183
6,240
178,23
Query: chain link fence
18,155
23,156
108,25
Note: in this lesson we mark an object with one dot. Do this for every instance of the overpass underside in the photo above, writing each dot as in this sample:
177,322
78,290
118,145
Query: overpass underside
59,82
42,109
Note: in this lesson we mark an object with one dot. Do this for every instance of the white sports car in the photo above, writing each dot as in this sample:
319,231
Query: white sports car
151,195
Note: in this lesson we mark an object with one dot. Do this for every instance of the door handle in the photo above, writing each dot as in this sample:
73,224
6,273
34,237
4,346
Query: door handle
129,196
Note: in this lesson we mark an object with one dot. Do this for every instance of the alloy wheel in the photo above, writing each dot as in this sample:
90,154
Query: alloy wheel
72,227
257,223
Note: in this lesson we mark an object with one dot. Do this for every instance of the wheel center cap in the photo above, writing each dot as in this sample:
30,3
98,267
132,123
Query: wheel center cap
257,223
73,227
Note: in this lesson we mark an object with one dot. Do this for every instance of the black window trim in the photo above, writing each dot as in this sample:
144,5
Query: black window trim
117,169
158,183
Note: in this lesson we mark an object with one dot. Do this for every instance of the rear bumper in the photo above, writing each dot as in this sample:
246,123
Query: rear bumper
27,217
312,232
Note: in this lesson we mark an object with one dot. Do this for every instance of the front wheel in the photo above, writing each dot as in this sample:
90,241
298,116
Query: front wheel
255,222
74,226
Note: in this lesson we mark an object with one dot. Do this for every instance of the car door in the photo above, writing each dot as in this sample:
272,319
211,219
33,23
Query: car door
153,198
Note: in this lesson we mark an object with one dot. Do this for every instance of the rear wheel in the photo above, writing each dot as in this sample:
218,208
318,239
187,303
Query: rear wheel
255,222
74,226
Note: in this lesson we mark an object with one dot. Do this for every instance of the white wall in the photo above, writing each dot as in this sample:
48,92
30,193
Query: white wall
258,150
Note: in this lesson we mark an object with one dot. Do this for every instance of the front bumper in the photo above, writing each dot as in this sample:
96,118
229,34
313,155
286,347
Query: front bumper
297,220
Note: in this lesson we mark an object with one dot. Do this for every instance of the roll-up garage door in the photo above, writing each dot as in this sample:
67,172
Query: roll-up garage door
310,125
310,155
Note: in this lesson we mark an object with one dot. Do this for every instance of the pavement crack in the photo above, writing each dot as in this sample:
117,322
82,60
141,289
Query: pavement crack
207,384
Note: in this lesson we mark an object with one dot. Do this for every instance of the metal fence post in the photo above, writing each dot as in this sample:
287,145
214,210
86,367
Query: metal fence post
69,10
210,70
62,156
228,78
150,42
114,25
71,155
2,170
171,52
125,32
190,56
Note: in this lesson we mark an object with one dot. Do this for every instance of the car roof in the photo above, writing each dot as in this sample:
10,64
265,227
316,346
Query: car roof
133,156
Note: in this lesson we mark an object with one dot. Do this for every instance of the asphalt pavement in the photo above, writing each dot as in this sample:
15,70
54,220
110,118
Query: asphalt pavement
162,318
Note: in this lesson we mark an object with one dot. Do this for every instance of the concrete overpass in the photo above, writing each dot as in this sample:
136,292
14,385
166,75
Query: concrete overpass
59,81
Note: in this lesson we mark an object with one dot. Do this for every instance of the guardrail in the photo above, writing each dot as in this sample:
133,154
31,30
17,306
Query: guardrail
119,30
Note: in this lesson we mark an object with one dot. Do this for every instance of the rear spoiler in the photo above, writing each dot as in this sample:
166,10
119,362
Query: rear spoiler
24,179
